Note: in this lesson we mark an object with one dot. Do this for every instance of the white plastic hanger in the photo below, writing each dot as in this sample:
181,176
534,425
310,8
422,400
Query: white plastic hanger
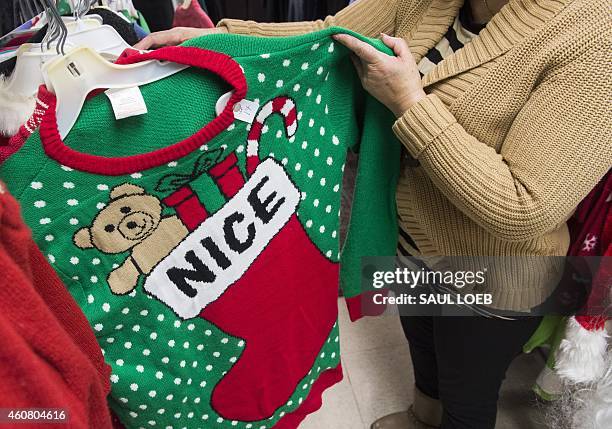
74,75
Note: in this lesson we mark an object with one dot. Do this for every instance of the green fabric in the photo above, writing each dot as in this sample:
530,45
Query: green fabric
152,352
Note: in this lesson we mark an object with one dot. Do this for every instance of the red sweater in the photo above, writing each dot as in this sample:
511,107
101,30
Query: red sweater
49,357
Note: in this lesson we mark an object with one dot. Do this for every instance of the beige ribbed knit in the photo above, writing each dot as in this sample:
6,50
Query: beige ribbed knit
515,131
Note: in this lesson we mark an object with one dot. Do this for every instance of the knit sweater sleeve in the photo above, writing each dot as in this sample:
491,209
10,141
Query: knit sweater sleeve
367,17
558,147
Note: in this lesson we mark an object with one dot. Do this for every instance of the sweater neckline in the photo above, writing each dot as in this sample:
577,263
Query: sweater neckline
515,21
222,65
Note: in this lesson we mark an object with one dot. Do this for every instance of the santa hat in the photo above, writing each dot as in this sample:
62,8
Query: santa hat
581,357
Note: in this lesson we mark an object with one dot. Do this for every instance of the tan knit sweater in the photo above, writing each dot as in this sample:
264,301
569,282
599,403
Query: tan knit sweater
515,131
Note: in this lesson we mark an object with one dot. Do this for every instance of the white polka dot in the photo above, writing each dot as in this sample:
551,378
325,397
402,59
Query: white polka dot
200,347
134,387
308,92
177,324
328,209
315,47
310,174
261,77
136,328
216,354
322,182
322,229
296,87
72,202
45,221
98,327
165,359
93,279
334,234
100,206
308,223
265,55
146,352
330,160
286,63
153,335
114,378
330,49
172,164
171,343
322,131
326,109
128,345
36,185
208,332
203,383
68,185
73,221
224,340
106,307
304,66
144,312
159,375
336,188
311,122
304,145
335,140
209,367
51,258
49,237
111,340
177,381
139,368
316,202
74,260
240,149
317,152
136,175
186,345
318,99
102,187
279,83
298,166
40,204
328,253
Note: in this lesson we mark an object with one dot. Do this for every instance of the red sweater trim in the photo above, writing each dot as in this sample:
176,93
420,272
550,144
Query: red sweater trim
218,63
313,401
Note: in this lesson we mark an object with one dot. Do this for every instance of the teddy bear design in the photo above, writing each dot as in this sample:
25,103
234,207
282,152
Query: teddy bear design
132,221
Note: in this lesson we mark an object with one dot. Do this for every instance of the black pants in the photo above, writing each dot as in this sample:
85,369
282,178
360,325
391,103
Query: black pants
462,361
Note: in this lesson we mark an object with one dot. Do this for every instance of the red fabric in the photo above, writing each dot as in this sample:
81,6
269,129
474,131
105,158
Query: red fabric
191,16
591,235
50,357
218,63
314,400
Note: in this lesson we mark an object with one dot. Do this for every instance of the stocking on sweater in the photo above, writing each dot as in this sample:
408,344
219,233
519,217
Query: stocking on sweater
204,249
49,355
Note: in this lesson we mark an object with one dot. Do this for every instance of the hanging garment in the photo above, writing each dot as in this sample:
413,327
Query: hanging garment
17,138
158,13
191,16
209,267
50,357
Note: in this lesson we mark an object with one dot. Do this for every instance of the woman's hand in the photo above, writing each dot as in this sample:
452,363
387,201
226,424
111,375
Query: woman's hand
175,36
394,81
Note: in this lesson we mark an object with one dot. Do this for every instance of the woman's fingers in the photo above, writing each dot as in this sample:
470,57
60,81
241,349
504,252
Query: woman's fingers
367,53
174,36
399,45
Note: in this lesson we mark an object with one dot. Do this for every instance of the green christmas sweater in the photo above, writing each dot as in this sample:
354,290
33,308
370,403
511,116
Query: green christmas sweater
204,250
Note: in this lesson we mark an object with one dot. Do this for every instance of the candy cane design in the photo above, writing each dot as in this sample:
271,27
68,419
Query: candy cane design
283,106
